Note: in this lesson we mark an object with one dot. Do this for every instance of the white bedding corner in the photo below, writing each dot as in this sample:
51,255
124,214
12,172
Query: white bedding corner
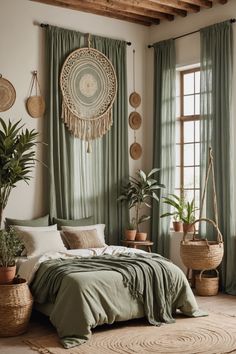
28,266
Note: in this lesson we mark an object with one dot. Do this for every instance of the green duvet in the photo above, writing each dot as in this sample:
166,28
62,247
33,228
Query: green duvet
87,292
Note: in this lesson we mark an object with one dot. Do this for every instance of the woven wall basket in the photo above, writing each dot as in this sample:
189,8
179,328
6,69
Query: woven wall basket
35,106
89,86
15,308
201,254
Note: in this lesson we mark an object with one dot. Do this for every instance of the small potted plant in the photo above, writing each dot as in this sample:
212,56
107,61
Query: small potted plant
178,205
140,191
10,248
130,232
188,216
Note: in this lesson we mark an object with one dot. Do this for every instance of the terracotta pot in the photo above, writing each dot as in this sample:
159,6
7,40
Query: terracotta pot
130,235
7,274
178,226
188,228
141,236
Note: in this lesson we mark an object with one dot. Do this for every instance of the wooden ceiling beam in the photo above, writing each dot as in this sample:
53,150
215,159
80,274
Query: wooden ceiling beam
179,5
121,5
138,19
202,3
150,5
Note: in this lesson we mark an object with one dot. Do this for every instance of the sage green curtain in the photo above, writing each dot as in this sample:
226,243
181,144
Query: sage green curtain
164,136
83,184
216,131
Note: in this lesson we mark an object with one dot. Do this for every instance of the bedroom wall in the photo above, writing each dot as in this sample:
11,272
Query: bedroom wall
22,51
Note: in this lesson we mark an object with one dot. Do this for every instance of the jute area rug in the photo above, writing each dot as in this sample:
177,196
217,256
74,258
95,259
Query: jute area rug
214,334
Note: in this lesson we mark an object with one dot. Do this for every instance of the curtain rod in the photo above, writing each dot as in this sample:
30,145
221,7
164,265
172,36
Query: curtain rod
46,25
233,20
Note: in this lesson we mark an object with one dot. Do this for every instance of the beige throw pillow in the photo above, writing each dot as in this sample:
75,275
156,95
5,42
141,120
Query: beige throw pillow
83,239
99,227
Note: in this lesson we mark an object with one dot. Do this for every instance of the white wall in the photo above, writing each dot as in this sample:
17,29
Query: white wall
21,52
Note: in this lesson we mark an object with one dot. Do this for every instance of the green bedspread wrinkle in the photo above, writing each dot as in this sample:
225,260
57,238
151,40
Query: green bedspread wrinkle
151,280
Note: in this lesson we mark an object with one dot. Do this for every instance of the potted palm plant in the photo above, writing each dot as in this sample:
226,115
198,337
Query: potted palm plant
140,191
188,216
178,206
10,247
17,158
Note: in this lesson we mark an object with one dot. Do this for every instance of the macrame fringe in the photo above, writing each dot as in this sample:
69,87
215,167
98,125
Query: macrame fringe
87,129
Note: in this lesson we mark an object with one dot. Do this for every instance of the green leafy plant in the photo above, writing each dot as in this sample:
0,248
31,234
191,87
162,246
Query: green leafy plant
188,216
141,191
17,158
178,204
10,247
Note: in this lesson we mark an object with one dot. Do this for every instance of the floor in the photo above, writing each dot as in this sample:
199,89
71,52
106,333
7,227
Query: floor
39,325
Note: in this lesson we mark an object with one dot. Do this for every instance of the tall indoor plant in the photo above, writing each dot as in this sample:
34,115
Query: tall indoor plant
140,191
17,157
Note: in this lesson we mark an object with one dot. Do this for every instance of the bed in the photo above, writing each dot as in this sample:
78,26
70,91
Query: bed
84,288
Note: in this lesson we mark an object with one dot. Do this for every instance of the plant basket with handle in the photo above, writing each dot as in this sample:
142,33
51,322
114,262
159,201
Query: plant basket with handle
207,284
201,254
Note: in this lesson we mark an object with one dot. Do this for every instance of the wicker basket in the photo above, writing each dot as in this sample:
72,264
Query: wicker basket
202,254
207,284
15,308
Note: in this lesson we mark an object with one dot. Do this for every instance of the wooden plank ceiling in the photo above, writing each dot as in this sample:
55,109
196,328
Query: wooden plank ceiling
144,12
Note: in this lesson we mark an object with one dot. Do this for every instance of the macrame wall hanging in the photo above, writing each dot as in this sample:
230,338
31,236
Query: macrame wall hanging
89,86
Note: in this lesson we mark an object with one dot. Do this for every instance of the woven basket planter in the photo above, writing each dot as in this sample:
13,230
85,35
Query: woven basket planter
207,284
202,254
15,308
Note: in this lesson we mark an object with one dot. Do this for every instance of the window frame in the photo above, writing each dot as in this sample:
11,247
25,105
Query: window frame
181,120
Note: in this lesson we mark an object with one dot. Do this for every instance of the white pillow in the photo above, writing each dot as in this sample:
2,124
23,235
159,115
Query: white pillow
99,227
39,242
33,228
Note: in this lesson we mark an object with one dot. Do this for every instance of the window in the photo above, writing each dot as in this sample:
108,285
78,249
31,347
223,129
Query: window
188,136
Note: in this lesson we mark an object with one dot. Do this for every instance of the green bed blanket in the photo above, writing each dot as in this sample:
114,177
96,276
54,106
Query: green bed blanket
87,292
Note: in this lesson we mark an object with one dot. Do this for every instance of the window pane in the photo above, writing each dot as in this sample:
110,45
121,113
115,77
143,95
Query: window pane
177,177
177,101
189,155
197,177
188,132
177,132
189,195
197,104
188,177
189,105
197,82
197,154
197,130
197,198
178,155
188,83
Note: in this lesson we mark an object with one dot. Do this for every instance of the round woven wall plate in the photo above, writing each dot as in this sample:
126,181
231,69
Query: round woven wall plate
134,99
7,94
135,120
88,83
35,106
135,151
